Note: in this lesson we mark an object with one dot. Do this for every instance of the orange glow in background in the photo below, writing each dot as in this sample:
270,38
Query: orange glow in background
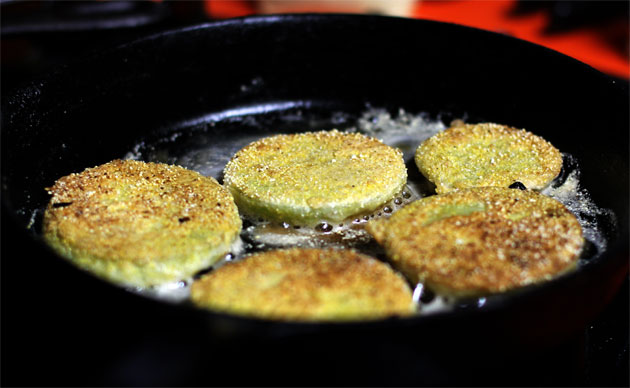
584,44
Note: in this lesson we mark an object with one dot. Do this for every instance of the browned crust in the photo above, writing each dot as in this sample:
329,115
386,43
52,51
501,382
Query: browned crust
481,240
140,223
310,177
306,284
487,154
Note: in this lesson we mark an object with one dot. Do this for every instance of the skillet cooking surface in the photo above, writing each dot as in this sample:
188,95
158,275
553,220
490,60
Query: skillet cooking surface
231,71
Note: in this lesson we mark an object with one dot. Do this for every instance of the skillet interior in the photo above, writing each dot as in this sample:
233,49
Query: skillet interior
98,109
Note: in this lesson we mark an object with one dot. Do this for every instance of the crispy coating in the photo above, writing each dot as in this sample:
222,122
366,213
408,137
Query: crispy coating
306,285
481,240
316,176
140,224
486,154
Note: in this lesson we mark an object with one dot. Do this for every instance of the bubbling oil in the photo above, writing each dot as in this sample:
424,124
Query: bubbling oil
207,153
349,233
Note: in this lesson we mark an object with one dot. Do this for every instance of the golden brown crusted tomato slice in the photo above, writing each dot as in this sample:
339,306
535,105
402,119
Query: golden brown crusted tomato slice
487,154
481,240
306,285
140,224
310,177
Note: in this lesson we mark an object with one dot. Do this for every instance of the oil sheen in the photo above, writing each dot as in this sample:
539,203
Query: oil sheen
207,147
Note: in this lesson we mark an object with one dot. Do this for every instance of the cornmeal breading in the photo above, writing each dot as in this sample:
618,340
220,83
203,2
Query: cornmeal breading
316,176
477,155
306,285
481,240
139,223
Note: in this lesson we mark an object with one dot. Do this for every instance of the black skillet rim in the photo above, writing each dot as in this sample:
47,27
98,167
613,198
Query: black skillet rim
614,256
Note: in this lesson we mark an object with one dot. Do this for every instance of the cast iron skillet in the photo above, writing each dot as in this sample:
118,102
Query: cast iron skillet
70,328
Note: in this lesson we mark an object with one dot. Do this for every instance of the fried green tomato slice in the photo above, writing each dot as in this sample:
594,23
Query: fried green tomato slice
480,241
487,154
140,224
306,285
315,176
